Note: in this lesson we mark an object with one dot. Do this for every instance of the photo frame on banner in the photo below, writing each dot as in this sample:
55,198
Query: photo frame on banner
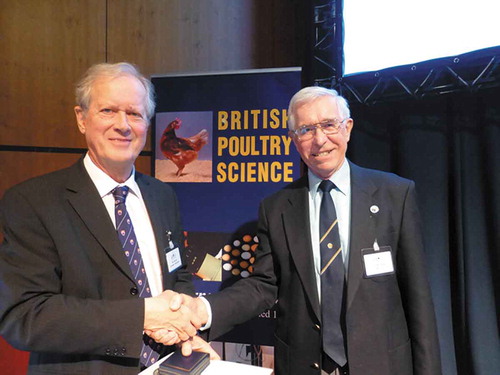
221,141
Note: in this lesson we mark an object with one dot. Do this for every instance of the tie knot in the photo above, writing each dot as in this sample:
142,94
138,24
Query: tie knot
326,186
120,193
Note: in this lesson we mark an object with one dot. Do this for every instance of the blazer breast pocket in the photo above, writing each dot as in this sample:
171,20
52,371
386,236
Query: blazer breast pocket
383,278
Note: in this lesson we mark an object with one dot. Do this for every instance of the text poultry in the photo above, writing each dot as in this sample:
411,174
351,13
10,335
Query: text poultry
254,145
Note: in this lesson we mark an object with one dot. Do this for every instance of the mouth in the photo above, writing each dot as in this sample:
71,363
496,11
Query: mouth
120,140
323,153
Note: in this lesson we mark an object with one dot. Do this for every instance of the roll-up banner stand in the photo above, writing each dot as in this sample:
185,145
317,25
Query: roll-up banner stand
221,140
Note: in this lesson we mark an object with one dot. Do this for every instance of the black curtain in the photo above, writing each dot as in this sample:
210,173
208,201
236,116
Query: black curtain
450,146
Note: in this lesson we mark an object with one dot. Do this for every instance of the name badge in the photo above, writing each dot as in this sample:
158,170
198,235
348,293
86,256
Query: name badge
174,260
377,262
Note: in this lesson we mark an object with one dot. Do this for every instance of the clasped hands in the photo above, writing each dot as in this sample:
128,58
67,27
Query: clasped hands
173,318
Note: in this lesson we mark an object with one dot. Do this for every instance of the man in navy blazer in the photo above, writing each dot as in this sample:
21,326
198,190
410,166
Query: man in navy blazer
67,292
387,320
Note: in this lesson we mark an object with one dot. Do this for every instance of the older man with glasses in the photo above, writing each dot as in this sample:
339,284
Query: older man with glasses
341,253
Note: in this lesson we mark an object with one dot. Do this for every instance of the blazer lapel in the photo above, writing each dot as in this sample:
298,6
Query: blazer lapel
83,196
296,224
362,227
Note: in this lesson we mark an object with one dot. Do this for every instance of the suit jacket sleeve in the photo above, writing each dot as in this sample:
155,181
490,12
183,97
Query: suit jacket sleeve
415,290
247,297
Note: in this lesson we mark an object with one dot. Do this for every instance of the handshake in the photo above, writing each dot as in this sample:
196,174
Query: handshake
173,318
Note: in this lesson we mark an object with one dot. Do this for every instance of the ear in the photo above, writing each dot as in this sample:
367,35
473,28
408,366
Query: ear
348,128
291,134
80,118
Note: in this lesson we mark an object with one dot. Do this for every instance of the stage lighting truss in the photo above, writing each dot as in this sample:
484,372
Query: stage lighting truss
327,39
468,72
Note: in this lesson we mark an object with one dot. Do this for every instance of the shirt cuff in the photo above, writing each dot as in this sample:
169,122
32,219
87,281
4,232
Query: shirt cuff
209,312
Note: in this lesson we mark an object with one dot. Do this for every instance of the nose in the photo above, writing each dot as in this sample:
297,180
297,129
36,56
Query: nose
121,122
319,136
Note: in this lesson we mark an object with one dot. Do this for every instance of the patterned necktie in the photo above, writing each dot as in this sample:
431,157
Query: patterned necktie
332,278
126,234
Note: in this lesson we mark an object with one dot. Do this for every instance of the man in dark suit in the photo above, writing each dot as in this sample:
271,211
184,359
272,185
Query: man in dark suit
69,292
386,324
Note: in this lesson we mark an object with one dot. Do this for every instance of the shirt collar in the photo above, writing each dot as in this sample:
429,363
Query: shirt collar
106,184
341,179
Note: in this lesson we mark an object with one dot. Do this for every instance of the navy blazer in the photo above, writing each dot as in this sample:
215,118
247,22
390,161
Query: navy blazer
67,294
390,321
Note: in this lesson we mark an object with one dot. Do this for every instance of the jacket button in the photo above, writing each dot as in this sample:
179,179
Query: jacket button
318,327
134,291
315,366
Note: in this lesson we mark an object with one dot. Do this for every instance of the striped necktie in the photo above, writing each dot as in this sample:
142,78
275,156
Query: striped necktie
126,234
332,278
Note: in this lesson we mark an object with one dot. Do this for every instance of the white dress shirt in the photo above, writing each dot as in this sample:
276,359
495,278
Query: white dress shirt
139,216
341,196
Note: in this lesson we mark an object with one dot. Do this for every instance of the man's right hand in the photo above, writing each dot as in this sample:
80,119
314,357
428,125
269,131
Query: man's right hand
172,312
195,305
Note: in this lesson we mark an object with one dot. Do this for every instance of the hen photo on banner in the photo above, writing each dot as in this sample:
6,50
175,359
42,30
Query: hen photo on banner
221,140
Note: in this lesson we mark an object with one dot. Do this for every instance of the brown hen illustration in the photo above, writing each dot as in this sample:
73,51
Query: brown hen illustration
181,151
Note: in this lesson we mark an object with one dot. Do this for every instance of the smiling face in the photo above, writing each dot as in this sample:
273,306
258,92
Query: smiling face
115,124
323,154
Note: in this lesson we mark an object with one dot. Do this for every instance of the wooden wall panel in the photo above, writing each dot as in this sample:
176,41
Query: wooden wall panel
20,166
46,46
169,36
143,164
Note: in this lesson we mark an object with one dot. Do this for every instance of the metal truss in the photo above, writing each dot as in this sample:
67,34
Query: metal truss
327,42
469,72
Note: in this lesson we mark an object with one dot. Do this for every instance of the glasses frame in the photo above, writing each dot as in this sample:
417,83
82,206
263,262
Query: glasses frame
320,125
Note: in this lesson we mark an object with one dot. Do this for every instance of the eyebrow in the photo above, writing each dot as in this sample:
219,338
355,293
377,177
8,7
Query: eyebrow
321,122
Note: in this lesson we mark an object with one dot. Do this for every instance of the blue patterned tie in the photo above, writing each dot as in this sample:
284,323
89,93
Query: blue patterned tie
332,278
126,234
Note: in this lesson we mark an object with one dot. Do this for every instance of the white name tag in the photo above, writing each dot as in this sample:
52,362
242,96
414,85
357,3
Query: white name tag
378,263
174,260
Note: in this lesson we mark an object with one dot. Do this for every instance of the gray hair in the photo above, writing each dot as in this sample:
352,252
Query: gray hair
308,94
83,89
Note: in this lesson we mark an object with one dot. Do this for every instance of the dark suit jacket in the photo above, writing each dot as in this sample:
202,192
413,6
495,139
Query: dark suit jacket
390,320
67,294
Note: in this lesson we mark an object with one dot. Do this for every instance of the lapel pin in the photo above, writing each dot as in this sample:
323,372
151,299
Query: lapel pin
374,209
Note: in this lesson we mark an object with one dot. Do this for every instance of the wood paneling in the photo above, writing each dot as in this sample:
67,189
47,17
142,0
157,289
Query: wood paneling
46,46
169,36
20,166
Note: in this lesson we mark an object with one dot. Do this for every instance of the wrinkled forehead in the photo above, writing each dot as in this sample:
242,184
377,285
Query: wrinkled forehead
315,111
124,89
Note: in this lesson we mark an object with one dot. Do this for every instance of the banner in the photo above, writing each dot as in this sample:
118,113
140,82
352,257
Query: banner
221,140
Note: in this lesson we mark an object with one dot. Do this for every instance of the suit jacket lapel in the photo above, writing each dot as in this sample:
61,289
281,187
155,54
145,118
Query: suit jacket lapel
296,224
83,196
362,227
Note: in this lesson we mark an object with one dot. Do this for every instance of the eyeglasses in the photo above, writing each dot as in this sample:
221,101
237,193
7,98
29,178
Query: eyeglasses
328,127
